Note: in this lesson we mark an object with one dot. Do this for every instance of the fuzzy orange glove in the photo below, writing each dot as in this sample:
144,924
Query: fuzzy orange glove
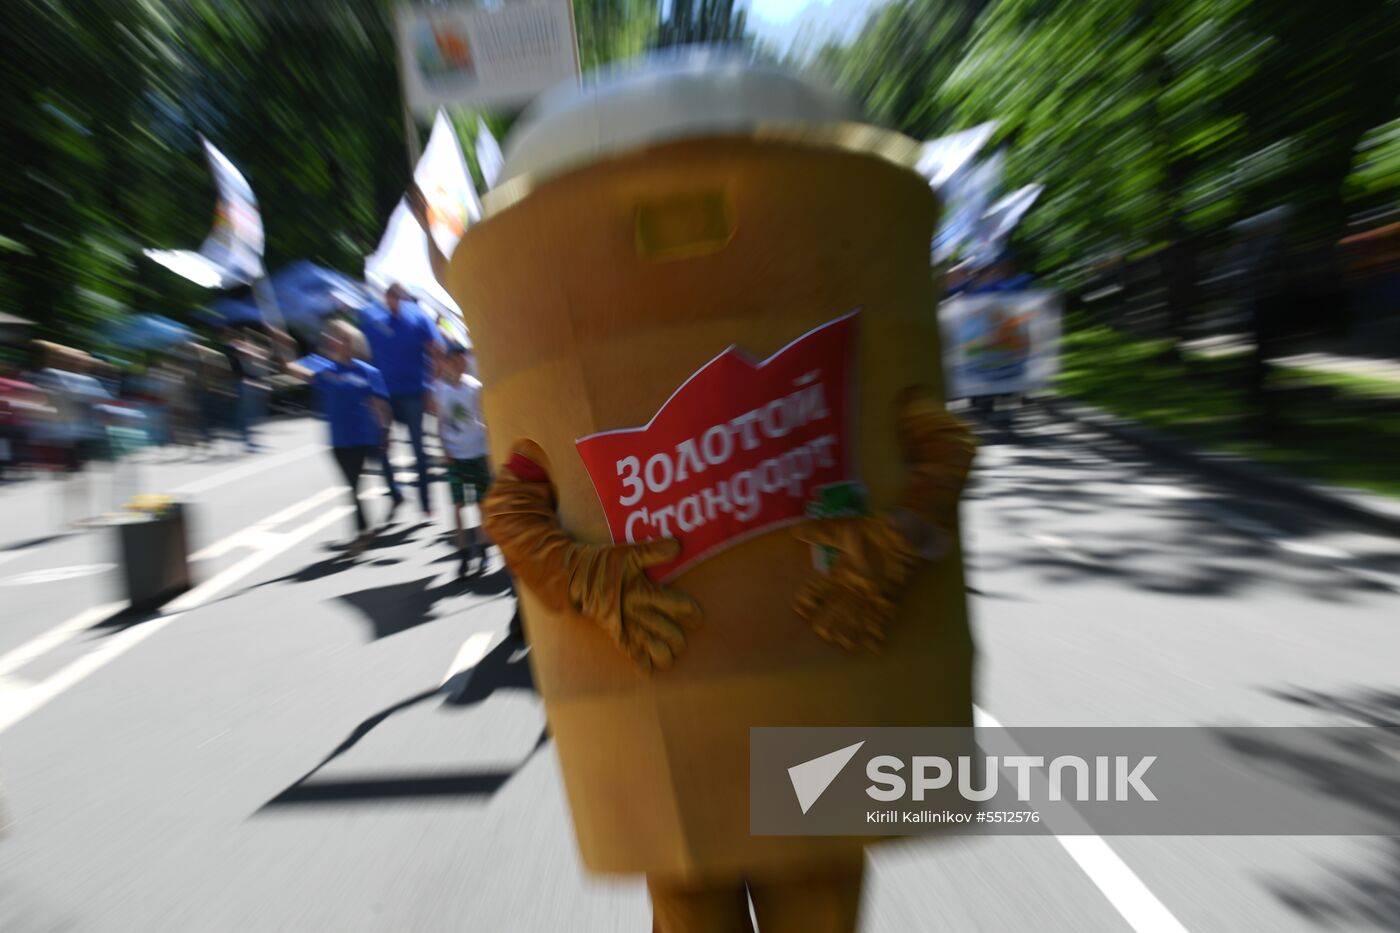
604,583
853,603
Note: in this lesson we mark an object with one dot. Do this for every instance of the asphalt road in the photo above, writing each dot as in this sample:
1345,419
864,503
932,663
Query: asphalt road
274,751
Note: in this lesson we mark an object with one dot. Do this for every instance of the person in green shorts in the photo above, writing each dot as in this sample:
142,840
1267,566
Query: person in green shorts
464,443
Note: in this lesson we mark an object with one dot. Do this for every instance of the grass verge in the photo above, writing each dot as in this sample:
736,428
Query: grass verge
1341,429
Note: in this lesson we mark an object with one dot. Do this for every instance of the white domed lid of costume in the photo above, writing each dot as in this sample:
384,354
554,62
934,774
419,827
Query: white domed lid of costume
695,92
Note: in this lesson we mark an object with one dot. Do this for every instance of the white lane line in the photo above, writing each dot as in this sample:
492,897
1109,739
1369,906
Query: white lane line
1133,900
1116,881
233,474
254,536
16,706
56,574
469,655
43,644
251,535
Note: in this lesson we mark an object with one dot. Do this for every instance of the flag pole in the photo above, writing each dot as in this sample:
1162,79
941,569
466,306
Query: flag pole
412,143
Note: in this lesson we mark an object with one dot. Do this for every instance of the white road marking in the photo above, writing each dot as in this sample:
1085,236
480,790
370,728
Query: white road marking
469,655
252,536
245,470
43,644
1133,900
16,706
55,574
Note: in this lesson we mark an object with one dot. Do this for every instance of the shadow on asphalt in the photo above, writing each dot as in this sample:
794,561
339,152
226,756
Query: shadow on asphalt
34,542
1348,896
127,618
398,607
384,539
503,668
1200,546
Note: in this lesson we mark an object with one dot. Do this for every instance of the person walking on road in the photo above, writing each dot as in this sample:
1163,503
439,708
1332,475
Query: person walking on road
464,443
406,348
248,364
352,396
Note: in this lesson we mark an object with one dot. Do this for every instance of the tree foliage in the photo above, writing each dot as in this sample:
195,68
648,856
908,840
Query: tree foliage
1154,125
708,21
104,102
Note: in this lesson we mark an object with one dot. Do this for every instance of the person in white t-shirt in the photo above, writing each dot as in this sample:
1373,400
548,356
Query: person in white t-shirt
463,438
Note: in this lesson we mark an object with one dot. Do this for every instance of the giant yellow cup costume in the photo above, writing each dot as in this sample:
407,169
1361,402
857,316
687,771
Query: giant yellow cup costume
642,227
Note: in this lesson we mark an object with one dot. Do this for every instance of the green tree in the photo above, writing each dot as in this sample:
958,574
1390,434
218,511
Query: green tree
709,21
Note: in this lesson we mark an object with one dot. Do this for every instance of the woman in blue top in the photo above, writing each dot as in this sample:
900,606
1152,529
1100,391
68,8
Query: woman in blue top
351,395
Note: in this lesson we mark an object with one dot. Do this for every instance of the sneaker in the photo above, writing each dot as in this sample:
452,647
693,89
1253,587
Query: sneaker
393,507
360,544
465,569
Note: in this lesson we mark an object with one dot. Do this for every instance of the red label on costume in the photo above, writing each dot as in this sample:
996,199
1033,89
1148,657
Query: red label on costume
739,448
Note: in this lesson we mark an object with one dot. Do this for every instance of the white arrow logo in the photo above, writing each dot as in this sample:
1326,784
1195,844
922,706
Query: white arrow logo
811,778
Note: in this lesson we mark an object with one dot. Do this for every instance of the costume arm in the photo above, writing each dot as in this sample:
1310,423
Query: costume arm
604,583
853,603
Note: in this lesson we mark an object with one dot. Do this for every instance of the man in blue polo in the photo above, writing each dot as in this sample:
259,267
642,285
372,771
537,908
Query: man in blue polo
405,344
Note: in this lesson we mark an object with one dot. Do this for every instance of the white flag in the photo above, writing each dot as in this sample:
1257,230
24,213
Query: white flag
232,252
442,175
402,257
236,242
966,197
942,159
1002,217
488,154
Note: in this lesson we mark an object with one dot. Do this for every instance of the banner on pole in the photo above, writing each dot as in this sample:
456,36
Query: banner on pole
402,256
442,176
484,55
236,242
999,343
232,252
488,154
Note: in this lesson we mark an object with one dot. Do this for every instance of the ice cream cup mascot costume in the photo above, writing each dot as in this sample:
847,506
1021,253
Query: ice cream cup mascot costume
725,480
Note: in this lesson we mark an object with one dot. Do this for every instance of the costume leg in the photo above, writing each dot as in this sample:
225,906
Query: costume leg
699,908
824,900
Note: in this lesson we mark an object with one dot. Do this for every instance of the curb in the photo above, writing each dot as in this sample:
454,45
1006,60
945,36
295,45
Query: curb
1373,511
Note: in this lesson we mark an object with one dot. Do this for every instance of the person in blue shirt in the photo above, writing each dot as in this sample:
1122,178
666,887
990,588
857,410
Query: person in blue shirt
405,345
352,396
